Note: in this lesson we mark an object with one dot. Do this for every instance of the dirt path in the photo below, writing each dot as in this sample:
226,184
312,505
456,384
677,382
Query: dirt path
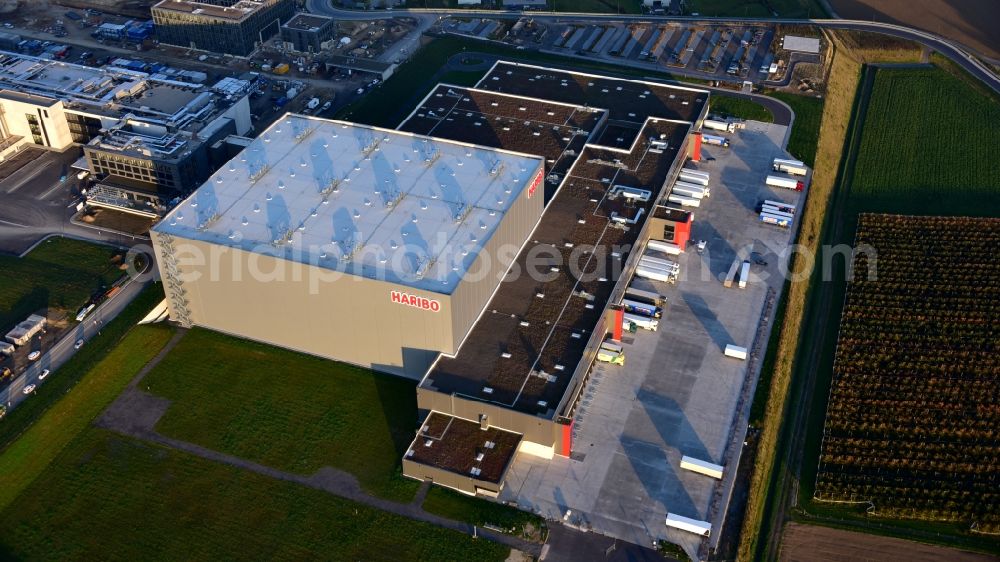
811,543
135,413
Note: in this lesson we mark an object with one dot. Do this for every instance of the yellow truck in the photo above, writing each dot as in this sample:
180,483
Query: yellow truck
281,68
611,352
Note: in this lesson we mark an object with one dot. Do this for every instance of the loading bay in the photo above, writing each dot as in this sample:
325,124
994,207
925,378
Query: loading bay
677,393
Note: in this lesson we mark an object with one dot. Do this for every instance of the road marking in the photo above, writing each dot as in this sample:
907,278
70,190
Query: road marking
14,223
51,190
30,177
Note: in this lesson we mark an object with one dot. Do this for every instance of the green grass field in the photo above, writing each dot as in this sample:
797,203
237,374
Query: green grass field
287,410
35,432
459,507
84,362
109,497
729,106
929,146
805,130
60,273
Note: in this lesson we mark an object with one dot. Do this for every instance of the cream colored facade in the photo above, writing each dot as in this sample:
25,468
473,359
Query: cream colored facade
329,313
49,121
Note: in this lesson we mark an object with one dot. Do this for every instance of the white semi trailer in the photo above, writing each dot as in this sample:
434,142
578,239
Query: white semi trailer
785,182
793,167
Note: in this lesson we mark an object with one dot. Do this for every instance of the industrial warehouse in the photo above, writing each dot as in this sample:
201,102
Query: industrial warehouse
582,179
401,217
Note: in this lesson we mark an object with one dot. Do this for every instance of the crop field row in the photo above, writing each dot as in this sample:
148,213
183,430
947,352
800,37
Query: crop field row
913,422
926,136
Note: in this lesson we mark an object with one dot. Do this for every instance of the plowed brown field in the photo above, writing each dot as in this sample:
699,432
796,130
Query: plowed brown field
971,22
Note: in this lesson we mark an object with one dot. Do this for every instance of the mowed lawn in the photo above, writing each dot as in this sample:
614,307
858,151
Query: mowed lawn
805,130
110,497
929,145
31,453
59,273
287,410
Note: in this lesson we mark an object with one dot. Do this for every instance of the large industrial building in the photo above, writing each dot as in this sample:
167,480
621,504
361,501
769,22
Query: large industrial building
146,139
364,245
523,366
403,222
235,27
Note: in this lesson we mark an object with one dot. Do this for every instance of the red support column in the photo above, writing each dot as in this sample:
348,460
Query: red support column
682,233
696,147
567,439
616,333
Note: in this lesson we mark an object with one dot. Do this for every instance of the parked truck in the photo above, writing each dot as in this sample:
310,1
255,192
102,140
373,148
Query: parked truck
655,274
768,218
610,352
643,322
649,297
715,140
689,190
641,308
668,248
716,125
744,274
785,182
698,179
683,200
792,167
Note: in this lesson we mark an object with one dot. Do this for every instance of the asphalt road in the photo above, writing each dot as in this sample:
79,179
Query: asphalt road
63,349
37,204
960,54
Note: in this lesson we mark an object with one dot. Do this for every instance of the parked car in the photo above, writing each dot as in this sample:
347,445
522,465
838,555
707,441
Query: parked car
78,344
29,389
43,374
34,355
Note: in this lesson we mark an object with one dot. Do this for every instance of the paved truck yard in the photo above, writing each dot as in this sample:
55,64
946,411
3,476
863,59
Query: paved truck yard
677,394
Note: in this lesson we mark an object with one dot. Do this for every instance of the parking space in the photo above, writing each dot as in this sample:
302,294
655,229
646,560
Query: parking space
36,199
677,393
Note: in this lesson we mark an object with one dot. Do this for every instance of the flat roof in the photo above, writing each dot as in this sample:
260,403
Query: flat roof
556,131
307,22
801,44
627,100
238,11
454,444
524,350
369,202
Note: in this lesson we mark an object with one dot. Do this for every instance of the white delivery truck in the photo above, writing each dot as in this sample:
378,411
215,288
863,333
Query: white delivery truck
660,263
683,200
702,528
655,274
691,178
736,351
717,125
785,182
715,140
744,274
668,248
780,205
689,189
793,167
643,322
701,467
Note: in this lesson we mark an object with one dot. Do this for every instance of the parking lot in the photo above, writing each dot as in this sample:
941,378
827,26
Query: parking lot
677,394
